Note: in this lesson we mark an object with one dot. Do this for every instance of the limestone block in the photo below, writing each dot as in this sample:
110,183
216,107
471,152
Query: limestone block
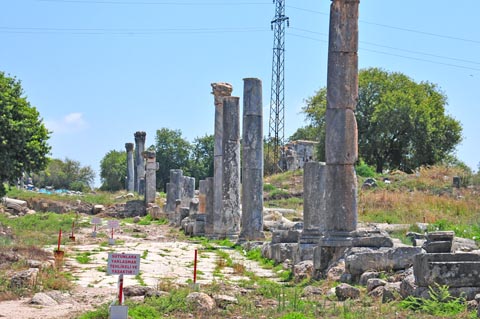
374,283
345,291
341,198
384,259
283,251
342,81
453,270
343,31
341,141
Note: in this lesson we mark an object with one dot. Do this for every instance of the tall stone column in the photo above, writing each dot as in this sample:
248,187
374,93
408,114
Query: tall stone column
341,142
130,183
229,223
150,177
139,162
252,161
219,90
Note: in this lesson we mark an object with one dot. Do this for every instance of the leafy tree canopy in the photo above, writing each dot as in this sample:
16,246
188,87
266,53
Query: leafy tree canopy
401,124
113,170
201,158
68,174
172,152
23,135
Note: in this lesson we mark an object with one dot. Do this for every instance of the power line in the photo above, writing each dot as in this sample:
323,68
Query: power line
395,27
169,3
398,49
127,31
231,3
393,54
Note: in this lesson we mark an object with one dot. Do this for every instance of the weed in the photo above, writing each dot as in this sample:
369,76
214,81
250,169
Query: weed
84,258
144,254
440,303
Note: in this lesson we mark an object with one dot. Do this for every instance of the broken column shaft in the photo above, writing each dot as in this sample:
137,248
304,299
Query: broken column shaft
130,182
139,162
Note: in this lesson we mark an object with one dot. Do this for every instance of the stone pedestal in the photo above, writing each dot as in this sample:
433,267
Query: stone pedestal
130,182
150,177
252,155
139,162
220,90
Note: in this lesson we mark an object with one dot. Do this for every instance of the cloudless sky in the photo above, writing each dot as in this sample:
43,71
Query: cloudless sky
99,70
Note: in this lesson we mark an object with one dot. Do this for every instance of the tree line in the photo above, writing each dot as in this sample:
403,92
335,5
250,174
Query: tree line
402,125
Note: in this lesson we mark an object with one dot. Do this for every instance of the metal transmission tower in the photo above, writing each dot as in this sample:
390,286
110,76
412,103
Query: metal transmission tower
276,132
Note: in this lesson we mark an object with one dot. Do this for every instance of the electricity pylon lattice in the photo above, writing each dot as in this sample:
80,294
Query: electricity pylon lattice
276,132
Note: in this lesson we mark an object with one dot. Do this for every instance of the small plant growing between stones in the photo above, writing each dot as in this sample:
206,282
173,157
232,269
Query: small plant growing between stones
440,303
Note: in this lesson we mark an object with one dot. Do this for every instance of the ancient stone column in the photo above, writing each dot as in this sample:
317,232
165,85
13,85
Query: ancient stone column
187,190
313,202
228,226
252,161
139,161
150,177
341,126
202,193
209,207
130,183
174,191
219,91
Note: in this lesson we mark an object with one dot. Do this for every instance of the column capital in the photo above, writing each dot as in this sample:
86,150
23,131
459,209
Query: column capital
221,90
129,147
140,136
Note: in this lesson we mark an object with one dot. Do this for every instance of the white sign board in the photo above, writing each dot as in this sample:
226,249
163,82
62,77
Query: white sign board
96,220
123,264
113,223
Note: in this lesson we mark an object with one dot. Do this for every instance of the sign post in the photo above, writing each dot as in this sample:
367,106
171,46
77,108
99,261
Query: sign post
95,221
122,264
112,224
72,236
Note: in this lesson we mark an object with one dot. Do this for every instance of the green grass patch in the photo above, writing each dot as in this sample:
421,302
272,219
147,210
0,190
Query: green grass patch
84,258
39,229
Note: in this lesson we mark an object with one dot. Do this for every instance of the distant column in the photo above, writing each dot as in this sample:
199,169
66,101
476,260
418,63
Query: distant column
130,184
220,91
341,127
150,177
174,191
209,207
139,162
229,223
252,161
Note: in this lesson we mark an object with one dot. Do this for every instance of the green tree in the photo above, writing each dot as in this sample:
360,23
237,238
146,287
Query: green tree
113,170
68,174
23,135
172,152
201,158
401,124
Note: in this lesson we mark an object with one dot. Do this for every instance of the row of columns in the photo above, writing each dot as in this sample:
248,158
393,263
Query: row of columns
226,219
141,168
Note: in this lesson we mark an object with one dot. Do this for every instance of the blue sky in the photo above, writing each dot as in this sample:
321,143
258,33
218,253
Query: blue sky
99,70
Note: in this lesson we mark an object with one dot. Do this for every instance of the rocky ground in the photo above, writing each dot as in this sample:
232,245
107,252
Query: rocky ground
166,260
